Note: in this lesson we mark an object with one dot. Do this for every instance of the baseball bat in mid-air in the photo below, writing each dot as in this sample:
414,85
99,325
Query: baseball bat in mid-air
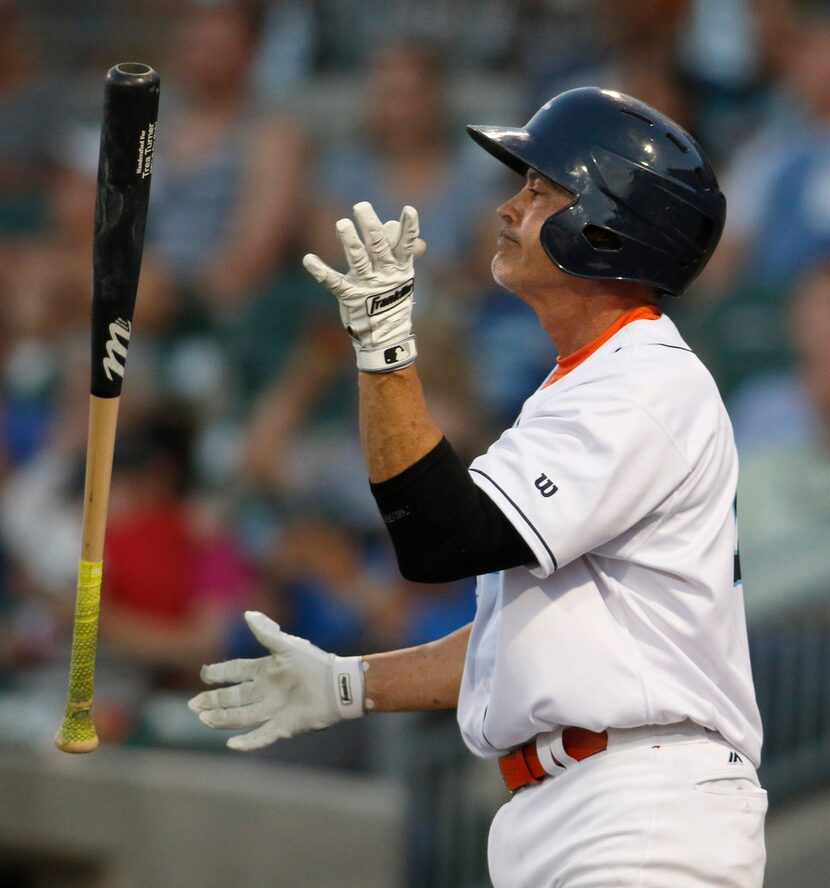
125,166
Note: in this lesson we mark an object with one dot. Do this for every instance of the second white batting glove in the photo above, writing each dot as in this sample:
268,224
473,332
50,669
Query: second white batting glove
297,688
376,293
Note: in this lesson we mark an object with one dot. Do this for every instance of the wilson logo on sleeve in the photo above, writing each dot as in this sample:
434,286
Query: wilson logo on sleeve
545,486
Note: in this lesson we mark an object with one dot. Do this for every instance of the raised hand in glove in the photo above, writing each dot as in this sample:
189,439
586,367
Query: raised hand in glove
296,688
375,295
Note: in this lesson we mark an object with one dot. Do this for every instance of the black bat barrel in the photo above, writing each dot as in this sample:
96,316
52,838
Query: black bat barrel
125,166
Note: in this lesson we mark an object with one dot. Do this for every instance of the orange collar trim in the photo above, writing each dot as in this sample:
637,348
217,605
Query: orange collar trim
566,364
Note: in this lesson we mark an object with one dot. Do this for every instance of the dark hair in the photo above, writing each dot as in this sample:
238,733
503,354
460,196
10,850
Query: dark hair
164,435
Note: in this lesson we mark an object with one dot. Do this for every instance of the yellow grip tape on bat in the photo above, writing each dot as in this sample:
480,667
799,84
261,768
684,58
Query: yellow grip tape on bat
77,728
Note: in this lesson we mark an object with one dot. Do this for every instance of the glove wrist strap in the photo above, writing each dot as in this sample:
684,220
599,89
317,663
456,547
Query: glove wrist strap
387,358
349,692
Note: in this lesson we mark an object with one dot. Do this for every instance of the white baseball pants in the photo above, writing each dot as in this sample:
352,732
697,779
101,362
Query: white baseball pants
679,810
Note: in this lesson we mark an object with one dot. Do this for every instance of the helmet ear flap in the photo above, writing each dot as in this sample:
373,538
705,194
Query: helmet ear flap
589,249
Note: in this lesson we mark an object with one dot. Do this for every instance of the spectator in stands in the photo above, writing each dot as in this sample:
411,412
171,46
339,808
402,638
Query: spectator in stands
756,152
174,575
631,46
724,57
784,494
783,171
40,531
473,33
42,496
229,184
401,154
308,516
339,586
644,48
44,297
332,583
778,223
298,439
300,447
28,110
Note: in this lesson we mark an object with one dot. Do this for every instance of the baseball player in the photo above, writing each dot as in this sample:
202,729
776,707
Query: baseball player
606,670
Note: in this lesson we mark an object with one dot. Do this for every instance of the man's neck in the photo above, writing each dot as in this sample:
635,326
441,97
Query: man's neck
572,320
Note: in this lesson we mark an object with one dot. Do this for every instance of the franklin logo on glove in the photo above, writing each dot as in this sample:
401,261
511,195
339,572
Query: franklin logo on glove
377,304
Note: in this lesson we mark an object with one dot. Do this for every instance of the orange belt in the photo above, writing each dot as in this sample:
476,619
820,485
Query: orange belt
522,766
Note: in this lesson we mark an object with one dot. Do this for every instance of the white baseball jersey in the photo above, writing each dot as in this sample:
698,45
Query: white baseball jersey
621,478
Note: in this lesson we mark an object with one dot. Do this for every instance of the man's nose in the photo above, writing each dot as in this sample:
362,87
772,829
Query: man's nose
509,211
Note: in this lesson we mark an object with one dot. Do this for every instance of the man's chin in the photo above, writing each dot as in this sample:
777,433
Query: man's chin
501,274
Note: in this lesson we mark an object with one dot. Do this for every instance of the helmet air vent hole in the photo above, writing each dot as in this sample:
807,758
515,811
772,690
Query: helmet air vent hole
676,142
637,114
602,239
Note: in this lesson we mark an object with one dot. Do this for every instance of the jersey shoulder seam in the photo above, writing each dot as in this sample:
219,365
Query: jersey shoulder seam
644,410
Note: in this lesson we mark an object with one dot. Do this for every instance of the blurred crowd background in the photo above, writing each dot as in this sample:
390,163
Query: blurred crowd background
239,481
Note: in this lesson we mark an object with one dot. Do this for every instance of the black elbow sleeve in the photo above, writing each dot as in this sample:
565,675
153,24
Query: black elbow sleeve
443,527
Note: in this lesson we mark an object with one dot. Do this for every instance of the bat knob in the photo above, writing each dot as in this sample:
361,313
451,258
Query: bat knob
78,747
420,248
77,733
133,74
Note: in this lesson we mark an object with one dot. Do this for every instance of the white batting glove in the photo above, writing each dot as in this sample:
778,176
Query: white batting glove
376,294
297,688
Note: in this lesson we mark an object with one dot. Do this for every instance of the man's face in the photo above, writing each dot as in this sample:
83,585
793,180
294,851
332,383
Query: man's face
213,49
521,264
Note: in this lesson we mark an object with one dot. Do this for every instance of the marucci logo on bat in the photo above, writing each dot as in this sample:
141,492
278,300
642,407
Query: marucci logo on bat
116,347
384,301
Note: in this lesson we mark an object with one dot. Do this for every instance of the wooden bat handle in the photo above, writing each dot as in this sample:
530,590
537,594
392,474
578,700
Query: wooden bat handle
103,419
77,732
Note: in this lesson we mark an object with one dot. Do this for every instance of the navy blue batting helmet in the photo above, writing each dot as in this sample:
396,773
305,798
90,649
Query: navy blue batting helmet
646,206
